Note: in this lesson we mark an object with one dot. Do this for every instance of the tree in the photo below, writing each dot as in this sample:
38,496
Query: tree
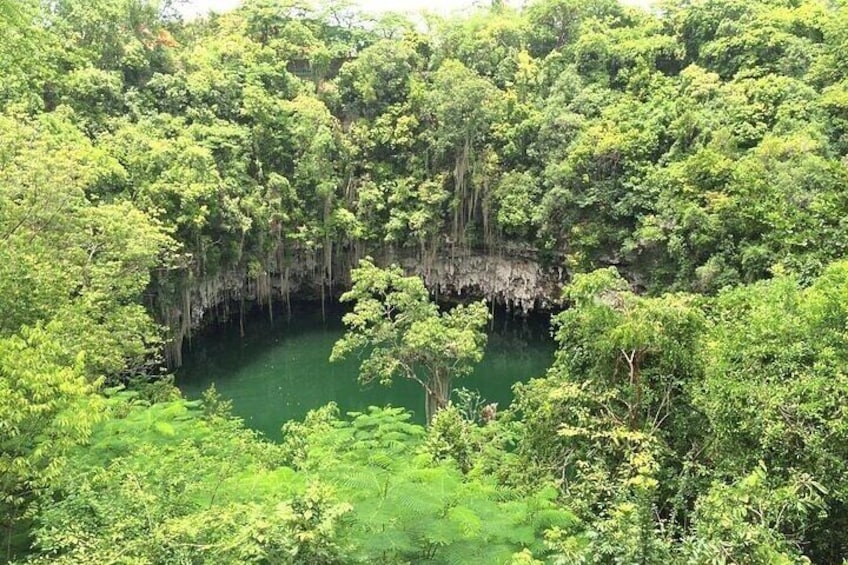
461,106
403,334
379,77
745,522
175,485
639,348
775,390
698,146
556,23
46,408
409,507
22,55
68,254
613,419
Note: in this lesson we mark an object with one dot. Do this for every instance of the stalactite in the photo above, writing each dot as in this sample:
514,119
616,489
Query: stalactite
330,266
241,317
263,293
327,272
506,277
168,316
283,268
288,295
185,327
318,273
271,312
176,351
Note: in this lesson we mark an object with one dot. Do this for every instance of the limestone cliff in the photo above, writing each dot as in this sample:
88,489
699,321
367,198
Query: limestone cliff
519,283
515,280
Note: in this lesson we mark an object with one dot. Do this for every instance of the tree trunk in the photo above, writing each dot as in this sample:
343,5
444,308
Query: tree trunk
438,395
634,360
241,316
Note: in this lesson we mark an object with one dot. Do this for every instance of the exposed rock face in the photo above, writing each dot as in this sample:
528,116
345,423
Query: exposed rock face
517,282
514,280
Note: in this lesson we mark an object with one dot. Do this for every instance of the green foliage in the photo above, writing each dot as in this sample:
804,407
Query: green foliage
450,437
72,270
406,336
173,486
698,147
774,388
739,523
754,379
378,78
408,507
69,258
46,408
622,371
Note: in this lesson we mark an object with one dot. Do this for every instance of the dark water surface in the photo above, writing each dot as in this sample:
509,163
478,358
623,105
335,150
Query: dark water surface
280,371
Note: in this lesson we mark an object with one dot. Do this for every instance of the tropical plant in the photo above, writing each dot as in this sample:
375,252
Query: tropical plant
404,335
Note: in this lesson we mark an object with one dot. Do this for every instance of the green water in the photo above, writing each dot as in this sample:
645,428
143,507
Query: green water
280,371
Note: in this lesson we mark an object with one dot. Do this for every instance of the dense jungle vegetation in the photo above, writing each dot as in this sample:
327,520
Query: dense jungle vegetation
686,166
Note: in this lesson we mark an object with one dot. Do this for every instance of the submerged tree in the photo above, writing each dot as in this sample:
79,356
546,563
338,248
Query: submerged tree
403,334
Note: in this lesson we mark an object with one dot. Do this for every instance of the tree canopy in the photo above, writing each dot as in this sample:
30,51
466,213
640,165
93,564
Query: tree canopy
682,167
403,334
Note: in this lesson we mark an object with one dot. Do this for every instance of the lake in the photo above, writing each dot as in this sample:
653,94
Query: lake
279,371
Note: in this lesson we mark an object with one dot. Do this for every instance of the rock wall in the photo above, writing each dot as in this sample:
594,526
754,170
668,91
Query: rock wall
515,280
519,283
